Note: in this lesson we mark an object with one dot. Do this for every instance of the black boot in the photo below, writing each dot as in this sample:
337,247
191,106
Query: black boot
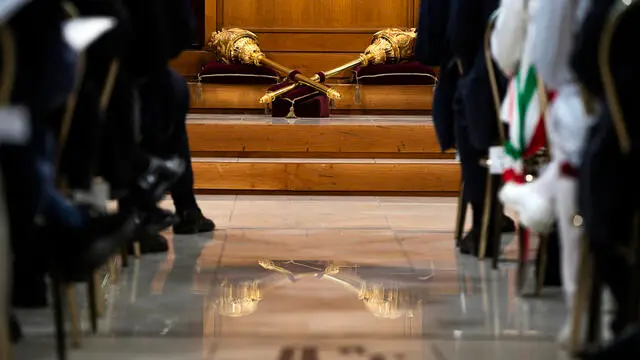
193,222
157,220
469,243
151,244
15,331
625,347
76,252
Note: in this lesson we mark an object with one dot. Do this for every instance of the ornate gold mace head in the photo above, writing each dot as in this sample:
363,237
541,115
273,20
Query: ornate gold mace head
387,46
241,46
236,45
390,46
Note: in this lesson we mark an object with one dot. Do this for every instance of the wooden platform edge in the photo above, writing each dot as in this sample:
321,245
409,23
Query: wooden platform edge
310,140
436,177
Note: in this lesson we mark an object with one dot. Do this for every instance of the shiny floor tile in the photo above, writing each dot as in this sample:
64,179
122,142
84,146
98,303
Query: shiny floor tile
314,278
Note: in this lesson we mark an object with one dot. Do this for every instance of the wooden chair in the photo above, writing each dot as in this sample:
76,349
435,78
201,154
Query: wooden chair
60,289
7,45
492,207
618,13
493,180
588,297
5,276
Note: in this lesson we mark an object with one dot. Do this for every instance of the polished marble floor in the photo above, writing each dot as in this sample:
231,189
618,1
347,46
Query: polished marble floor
315,278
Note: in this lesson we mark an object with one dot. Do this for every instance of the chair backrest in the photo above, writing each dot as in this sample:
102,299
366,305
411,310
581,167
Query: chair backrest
616,14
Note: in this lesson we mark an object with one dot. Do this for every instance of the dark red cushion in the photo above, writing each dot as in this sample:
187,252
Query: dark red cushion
219,73
307,102
407,73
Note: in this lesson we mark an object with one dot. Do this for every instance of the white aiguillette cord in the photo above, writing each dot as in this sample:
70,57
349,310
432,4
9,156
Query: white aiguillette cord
292,113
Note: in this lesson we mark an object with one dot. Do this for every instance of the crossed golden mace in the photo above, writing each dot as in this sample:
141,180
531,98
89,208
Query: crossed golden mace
235,45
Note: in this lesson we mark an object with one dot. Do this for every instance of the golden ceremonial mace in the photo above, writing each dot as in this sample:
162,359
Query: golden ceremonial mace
390,45
241,46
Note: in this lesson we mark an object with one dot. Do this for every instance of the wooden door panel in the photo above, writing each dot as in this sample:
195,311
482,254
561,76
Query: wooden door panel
316,14
308,42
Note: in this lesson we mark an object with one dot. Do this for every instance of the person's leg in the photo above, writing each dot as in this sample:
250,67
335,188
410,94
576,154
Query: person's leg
191,218
182,191
164,107
474,177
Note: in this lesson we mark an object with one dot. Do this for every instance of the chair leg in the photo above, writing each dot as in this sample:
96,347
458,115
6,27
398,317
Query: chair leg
5,343
542,264
113,269
581,298
595,308
462,214
99,294
76,333
486,217
58,317
136,249
93,304
634,311
497,234
523,247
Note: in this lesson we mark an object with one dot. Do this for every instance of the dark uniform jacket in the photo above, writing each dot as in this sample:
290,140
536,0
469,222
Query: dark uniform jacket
459,40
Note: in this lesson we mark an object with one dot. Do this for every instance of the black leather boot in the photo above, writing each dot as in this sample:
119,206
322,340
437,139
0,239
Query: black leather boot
193,222
625,347
76,252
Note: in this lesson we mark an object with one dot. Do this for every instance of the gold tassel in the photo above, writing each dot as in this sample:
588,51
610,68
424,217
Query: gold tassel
199,90
267,108
356,96
332,104
292,113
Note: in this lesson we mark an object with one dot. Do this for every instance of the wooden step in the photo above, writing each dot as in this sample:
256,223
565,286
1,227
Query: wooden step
327,176
336,137
374,99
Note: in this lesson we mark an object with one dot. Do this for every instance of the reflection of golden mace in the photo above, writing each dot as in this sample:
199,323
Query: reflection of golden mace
241,46
387,46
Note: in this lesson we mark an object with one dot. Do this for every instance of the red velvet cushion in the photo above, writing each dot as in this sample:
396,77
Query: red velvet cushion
407,73
219,73
309,103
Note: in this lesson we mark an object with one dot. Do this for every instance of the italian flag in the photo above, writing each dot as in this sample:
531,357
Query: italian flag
521,109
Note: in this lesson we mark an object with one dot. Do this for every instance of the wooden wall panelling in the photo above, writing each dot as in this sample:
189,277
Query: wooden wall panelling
215,96
188,64
311,63
210,19
386,97
373,97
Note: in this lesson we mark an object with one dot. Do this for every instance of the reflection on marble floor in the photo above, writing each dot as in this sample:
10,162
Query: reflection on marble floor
306,278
